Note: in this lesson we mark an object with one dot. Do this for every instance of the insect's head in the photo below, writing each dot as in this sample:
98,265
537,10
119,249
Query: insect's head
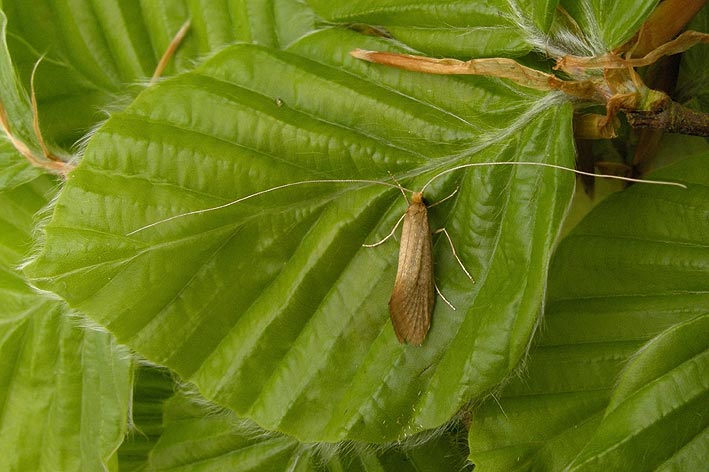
417,197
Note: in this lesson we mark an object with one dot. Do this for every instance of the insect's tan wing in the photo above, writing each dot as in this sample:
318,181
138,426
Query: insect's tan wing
411,302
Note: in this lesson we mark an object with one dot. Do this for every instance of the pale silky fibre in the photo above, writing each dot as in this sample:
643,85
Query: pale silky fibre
411,302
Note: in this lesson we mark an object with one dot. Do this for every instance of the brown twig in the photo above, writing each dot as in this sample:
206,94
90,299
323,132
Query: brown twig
671,117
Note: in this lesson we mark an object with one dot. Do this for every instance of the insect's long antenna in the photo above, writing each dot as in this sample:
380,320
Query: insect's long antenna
399,186
268,190
444,200
553,166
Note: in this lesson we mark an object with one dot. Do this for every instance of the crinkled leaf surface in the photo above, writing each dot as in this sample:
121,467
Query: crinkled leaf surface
607,24
95,52
64,390
185,432
618,376
197,439
657,414
14,101
272,307
463,29
15,170
152,386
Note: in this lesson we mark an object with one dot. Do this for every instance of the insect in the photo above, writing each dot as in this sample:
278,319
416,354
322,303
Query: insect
413,296
411,302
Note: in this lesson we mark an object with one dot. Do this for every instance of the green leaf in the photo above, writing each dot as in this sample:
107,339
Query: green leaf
618,376
96,51
197,438
273,307
15,170
13,99
151,388
450,28
608,24
693,79
656,409
64,390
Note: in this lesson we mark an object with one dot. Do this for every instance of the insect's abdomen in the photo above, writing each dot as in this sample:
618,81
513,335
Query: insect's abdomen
411,302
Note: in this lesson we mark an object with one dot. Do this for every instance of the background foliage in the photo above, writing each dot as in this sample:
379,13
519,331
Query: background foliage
270,314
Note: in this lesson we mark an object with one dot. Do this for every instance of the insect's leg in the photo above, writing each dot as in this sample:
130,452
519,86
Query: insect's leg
391,233
388,235
441,201
455,254
438,291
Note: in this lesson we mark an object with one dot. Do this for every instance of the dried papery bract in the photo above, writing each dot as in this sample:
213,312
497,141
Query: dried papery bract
47,159
503,68
688,39
666,21
618,88
35,118
170,51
